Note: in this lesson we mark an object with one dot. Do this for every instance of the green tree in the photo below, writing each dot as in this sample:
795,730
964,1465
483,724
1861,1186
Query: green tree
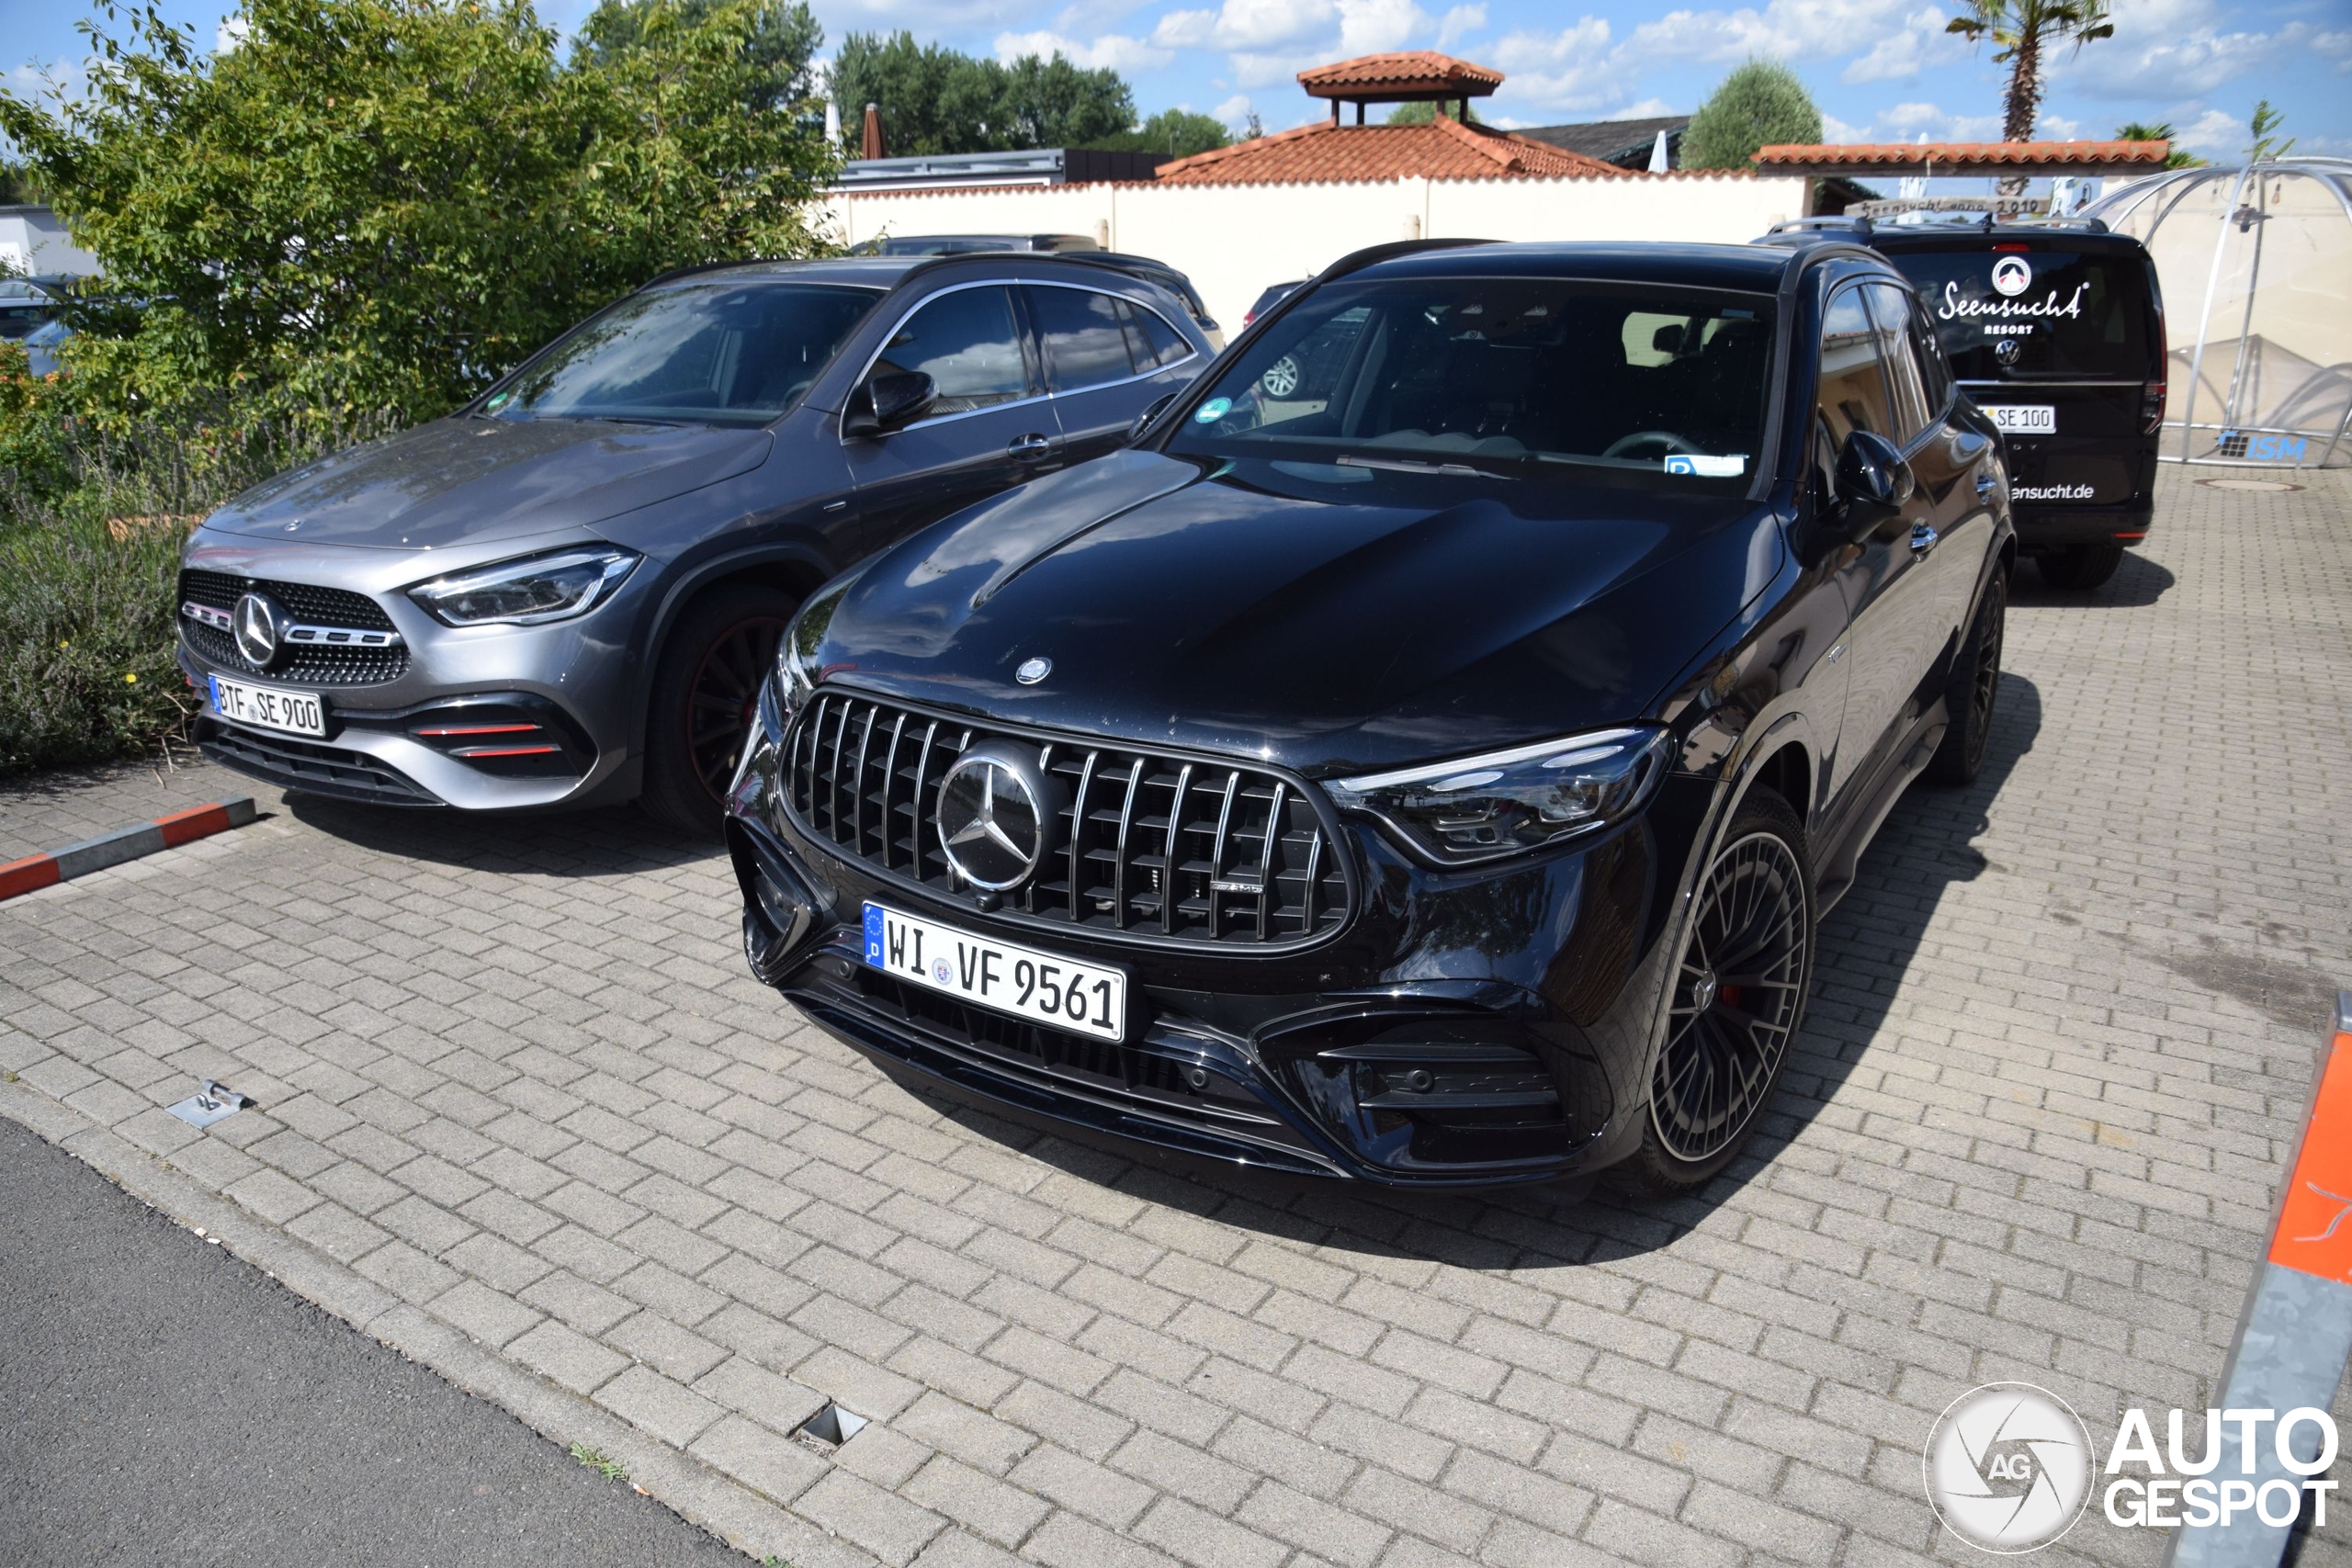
2266,121
1422,114
934,99
783,39
17,187
379,204
2140,130
1759,103
1179,133
2025,31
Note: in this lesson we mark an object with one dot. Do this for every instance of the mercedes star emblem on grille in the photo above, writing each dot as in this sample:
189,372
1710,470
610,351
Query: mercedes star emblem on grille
1033,671
997,810
257,629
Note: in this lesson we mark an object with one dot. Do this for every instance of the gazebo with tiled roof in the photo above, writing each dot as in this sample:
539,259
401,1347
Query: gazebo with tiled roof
1445,147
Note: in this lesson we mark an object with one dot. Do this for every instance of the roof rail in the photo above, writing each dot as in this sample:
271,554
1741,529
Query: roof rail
1820,225
1356,261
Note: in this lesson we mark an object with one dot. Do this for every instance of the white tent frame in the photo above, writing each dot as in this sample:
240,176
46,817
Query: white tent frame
2172,188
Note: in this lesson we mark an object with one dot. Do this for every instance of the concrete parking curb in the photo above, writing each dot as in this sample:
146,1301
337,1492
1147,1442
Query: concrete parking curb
2296,1334
688,1485
165,832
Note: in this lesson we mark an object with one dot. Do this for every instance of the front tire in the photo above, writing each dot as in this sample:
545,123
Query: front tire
705,691
1735,1001
2080,568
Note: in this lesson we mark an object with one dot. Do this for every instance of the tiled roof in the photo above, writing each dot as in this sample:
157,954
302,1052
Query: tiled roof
1411,71
1625,143
1436,149
1983,154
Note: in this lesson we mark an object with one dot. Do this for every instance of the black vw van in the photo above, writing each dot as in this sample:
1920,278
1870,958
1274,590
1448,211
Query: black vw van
2055,329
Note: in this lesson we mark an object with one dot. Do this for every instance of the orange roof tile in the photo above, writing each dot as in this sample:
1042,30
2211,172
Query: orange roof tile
1411,70
1959,155
1436,149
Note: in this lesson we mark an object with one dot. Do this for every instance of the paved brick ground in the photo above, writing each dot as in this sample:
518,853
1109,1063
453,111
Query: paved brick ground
516,1082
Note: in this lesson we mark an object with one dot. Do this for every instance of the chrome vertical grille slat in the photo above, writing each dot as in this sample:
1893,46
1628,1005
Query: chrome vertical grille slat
1145,841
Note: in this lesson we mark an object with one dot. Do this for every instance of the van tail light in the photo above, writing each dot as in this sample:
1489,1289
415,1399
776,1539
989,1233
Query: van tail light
2151,407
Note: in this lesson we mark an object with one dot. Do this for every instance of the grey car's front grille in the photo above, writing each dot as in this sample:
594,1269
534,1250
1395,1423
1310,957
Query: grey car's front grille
1187,850
318,664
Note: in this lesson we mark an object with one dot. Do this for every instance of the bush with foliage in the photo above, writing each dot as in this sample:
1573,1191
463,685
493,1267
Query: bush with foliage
1757,105
1177,133
934,99
356,220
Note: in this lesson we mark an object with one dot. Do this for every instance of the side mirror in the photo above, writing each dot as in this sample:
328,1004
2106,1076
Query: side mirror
1873,481
887,402
1150,412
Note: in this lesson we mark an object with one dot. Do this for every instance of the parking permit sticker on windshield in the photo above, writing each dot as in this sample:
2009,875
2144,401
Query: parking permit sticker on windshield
1707,467
1210,412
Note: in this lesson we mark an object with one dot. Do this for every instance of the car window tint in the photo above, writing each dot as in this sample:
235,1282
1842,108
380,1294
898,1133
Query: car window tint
1891,308
2039,311
1935,371
1853,382
1164,345
1085,343
966,343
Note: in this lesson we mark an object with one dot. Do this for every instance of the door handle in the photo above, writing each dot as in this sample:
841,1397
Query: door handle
1030,445
1985,484
1923,537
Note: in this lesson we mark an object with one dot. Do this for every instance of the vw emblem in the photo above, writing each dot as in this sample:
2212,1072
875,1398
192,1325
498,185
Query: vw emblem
255,628
1033,671
997,810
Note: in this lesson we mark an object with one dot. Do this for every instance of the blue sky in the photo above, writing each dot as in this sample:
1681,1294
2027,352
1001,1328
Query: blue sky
1881,69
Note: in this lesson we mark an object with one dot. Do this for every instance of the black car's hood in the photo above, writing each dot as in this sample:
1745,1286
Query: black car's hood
1257,610
461,481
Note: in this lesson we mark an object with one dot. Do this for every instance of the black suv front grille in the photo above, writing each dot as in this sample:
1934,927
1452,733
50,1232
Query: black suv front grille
316,665
1178,850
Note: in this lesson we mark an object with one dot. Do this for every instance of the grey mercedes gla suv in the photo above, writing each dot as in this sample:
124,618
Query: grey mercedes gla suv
569,591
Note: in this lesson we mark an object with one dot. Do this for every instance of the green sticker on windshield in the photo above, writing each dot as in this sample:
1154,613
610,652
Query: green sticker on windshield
498,401
1213,409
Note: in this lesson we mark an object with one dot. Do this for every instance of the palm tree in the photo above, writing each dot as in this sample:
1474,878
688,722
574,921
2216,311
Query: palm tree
2025,30
2140,130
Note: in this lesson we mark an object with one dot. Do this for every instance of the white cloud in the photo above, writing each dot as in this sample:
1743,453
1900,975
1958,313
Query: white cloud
1459,22
1920,43
2217,135
1911,122
1572,69
1234,113
1111,49
1805,31
1375,26
2171,50
231,34
1252,26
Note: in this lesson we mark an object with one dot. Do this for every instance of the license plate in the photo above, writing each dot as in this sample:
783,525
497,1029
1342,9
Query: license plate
2024,419
266,707
1061,993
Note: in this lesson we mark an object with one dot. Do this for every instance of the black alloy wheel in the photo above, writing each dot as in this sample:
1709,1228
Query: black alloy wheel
705,696
1976,687
1737,998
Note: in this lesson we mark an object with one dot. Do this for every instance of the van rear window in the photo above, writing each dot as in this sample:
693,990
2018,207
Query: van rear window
2038,313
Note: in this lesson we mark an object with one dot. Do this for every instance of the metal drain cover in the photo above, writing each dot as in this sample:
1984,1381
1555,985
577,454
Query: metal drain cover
209,1104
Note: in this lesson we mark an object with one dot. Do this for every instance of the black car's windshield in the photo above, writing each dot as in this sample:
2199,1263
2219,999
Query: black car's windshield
2020,311
1527,378
719,351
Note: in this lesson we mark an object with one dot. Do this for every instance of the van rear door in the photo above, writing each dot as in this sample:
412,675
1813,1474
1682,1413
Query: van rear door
2063,346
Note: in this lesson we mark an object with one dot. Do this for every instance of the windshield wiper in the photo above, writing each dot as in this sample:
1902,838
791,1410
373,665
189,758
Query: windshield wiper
1407,465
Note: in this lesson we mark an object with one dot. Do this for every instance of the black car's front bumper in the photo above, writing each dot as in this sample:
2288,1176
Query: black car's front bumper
1465,1029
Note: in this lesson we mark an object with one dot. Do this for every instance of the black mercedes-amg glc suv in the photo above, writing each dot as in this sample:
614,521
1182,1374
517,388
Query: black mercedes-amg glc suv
1431,774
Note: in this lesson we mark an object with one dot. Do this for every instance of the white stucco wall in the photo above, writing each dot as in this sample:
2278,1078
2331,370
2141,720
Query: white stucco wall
32,239
1233,241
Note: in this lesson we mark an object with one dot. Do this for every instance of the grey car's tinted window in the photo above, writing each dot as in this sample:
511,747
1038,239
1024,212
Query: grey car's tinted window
966,342
2061,312
1853,380
715,351
1529,377
1085,342
1151,341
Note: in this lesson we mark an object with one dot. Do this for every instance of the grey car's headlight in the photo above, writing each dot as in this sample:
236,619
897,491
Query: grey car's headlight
1477,808
529,591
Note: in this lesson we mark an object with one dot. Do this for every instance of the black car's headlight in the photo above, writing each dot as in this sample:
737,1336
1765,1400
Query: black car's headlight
1478,808
529,591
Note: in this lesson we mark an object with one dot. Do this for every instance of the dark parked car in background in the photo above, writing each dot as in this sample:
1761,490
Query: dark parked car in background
2056,331
1437,780
1144,267
570,591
